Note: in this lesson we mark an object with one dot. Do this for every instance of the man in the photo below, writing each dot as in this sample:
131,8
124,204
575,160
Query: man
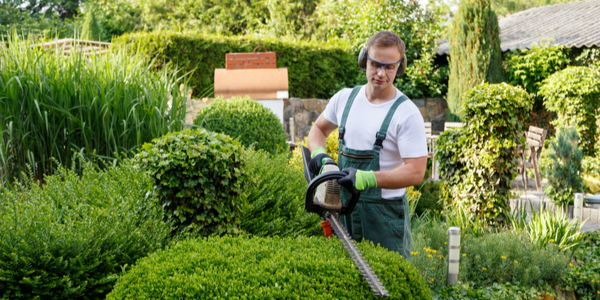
382,147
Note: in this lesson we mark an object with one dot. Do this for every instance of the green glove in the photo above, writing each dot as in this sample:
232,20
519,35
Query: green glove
358,179
318,159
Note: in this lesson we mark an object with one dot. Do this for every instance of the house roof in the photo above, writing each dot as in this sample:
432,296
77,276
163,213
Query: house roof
575,24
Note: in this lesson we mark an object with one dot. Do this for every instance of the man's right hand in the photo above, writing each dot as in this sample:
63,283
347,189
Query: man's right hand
318,159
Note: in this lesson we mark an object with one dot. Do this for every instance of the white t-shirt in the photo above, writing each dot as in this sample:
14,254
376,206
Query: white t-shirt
405,137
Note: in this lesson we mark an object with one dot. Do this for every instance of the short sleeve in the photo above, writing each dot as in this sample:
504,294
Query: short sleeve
331,110
412,141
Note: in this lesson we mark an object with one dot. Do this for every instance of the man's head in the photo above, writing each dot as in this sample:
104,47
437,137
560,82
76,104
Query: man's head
385,49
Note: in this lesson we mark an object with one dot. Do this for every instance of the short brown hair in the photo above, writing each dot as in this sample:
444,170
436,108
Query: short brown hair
386,39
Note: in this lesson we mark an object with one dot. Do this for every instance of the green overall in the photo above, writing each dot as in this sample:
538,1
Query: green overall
381,221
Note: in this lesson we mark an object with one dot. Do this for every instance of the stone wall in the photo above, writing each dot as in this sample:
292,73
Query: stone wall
306,111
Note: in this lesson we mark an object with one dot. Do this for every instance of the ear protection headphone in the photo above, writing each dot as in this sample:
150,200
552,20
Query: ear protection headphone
362,62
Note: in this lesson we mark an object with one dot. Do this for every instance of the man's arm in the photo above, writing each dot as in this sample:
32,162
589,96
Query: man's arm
409,174
317,137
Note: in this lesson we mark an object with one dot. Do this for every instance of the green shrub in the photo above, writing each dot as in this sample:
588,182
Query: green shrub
315,70
53,105
564,176
477,162
430,198
266,268
574,94
245,120
71,238
493,258
475,52
275,204
529,67
199,178
91,30
584,275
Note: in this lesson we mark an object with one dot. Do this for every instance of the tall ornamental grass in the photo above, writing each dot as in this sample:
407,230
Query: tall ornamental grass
52,105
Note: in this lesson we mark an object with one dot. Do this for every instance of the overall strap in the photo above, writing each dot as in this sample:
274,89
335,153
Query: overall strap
380,136
342,126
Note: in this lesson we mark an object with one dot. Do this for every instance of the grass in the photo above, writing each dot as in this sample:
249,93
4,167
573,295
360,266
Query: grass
54,105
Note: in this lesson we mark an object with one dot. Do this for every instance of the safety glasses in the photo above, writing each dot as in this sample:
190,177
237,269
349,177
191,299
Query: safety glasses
388,67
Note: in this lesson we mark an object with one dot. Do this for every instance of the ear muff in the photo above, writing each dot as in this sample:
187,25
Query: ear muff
362,62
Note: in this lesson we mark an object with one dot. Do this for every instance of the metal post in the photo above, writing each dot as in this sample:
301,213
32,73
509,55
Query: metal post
453,254
578,207
292,131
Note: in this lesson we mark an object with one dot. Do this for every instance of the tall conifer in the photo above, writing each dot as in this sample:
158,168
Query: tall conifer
90,30
475,54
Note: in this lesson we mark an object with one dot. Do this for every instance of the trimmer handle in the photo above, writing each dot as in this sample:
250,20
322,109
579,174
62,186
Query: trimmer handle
311,206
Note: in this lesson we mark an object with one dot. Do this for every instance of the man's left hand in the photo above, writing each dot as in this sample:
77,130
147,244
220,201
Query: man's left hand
358,179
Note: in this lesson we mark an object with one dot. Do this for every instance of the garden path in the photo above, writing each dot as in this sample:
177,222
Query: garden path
531,195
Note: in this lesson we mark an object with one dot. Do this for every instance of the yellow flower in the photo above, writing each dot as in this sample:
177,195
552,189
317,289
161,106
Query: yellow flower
431,280
570,264
484,269
464,254
503,257
433,268
516,262
551,240
593,280
445,243
434,251
428,255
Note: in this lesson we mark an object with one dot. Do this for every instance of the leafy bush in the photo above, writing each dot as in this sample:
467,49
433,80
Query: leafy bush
529,67
475,51
277,268
477,162
430,198
495,291
331,148
315,70
199,178
564,177
71,238
53,105
584,275
574,94
245,120
591,174
275,204
493,258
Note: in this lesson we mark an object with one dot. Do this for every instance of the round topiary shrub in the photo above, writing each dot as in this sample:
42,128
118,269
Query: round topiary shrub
199,177
266,268
245,120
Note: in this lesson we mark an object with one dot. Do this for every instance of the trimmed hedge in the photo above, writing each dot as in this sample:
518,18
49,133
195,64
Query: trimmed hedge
199,178
245,120
266,268
71,238
315,70
275,204
478,161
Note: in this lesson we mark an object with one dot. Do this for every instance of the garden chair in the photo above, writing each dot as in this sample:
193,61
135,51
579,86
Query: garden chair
530,155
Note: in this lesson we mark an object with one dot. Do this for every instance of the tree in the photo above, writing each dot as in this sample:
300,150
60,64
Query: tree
475,54
91,31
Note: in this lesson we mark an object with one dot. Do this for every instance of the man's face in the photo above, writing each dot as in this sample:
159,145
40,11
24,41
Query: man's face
382,78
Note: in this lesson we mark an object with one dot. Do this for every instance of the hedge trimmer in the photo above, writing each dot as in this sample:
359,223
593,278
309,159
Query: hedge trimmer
326,203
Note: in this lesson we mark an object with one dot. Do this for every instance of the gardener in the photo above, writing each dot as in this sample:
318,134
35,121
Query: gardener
382,146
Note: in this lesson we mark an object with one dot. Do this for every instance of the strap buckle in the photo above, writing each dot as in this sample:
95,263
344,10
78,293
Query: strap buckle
380,137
